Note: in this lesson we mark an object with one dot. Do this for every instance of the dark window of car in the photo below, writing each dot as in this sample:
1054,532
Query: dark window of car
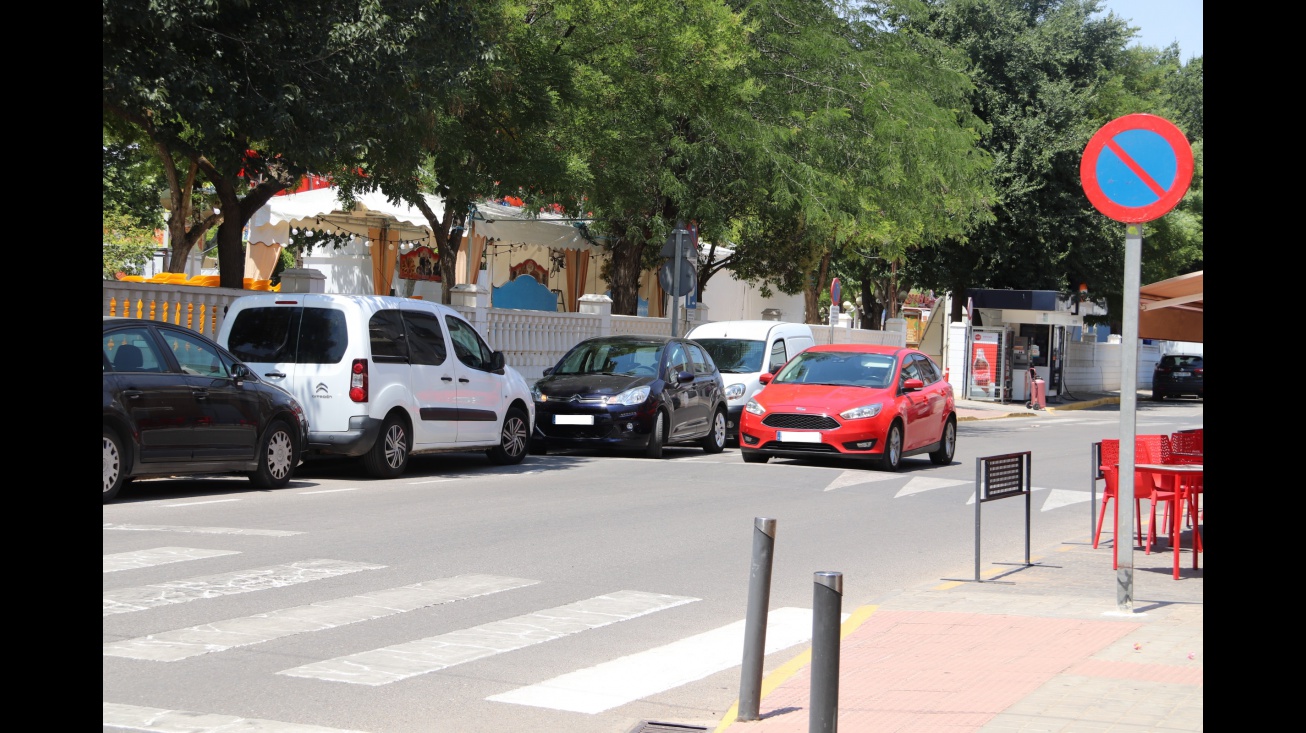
467,344
778,355
929,370
323,336
702,362
736,356
678,359
386,331
194,355
265,335
425,339
1180,362
910,370
273,335
133,350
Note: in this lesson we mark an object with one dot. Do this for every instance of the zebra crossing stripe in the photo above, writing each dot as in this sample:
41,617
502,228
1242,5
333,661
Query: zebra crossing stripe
921,483
171,646
198,530
126,600
626,679
401,661
159,720
158,556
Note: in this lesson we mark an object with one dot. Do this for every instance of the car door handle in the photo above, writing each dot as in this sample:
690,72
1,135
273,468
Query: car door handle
200,394
446,379
275,375
132,393
464,380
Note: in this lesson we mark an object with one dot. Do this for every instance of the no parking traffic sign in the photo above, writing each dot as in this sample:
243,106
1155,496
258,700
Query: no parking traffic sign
1136,168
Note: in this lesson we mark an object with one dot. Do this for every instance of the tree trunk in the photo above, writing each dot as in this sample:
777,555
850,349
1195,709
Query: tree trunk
624,275
870,308
812,291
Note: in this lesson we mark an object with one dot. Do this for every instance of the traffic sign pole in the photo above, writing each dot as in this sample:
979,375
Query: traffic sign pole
675,278
1135,169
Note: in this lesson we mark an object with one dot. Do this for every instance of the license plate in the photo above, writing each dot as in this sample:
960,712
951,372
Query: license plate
573,419
798,437
1182,374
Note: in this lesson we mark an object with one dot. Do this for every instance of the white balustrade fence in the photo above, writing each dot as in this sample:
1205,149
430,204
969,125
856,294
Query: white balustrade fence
534,340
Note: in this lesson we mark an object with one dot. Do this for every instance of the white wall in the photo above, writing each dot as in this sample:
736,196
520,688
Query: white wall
728,299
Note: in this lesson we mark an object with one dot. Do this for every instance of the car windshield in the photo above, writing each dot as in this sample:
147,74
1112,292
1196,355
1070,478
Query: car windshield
631,358
839,368
1182,362
735,356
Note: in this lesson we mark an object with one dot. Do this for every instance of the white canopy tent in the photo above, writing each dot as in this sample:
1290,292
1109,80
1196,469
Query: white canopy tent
375,226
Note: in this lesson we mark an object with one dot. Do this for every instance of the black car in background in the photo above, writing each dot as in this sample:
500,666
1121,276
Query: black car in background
1176,375
176,403
631,392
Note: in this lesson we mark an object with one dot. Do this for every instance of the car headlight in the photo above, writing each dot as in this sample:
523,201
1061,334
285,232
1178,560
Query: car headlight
865,411
754,408
636,396
535,394
734,391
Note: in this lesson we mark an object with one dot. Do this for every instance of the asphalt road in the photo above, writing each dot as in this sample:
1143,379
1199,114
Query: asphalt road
578,592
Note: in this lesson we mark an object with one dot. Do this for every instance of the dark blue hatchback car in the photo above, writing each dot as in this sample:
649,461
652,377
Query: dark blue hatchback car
631,392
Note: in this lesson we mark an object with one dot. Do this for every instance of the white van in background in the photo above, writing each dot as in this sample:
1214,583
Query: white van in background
743,351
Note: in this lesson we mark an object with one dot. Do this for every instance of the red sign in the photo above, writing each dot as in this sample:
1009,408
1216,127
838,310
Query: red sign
1136,168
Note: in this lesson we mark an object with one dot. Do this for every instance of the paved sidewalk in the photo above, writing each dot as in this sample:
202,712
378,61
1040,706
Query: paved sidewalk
1043,647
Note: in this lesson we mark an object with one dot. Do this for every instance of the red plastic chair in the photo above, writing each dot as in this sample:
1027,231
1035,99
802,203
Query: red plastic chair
1146,486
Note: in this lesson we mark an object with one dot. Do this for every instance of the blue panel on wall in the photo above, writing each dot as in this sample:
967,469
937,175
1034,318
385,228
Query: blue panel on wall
525,293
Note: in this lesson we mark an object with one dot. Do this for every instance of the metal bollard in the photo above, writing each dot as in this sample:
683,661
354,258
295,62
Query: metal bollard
827,602
759,593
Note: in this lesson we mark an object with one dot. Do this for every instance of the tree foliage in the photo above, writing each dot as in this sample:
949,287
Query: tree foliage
252,95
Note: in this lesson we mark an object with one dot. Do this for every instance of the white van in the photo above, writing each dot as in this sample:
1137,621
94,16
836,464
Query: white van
743,351
383,377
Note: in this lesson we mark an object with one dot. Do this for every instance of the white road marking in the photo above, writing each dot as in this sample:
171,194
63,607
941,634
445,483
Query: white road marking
171,646
401,661
853,478
608,685
1058,498
325,491
126,600
158,556
199,530
197,503
920,483
159,720
432,481
1032,489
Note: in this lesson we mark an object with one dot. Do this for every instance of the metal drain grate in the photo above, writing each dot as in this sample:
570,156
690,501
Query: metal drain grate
653,726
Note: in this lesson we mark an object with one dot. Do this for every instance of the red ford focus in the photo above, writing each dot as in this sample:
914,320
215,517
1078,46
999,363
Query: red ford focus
880,403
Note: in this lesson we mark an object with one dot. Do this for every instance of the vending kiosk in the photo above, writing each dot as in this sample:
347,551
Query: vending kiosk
1034,325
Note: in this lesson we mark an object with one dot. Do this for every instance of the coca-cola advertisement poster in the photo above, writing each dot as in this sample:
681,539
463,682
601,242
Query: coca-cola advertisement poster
984,365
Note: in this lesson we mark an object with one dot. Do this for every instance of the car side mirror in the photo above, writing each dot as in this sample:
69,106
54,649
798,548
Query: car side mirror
497,362
766,377
240,372
912,385
548,371
683,376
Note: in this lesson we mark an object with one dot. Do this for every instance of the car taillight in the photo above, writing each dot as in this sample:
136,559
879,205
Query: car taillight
1197,371
1163,370
358,381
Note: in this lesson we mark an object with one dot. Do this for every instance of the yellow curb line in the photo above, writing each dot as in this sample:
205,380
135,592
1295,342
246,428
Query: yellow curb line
791,667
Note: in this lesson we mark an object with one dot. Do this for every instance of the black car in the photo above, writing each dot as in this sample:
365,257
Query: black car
1176,375
177,403
631,392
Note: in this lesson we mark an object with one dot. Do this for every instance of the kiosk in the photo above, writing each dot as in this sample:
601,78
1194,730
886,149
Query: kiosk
1035,327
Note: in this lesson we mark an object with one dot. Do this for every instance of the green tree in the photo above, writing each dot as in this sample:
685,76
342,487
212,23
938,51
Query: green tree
1047,74
488,129
868,148
253,95
127,244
